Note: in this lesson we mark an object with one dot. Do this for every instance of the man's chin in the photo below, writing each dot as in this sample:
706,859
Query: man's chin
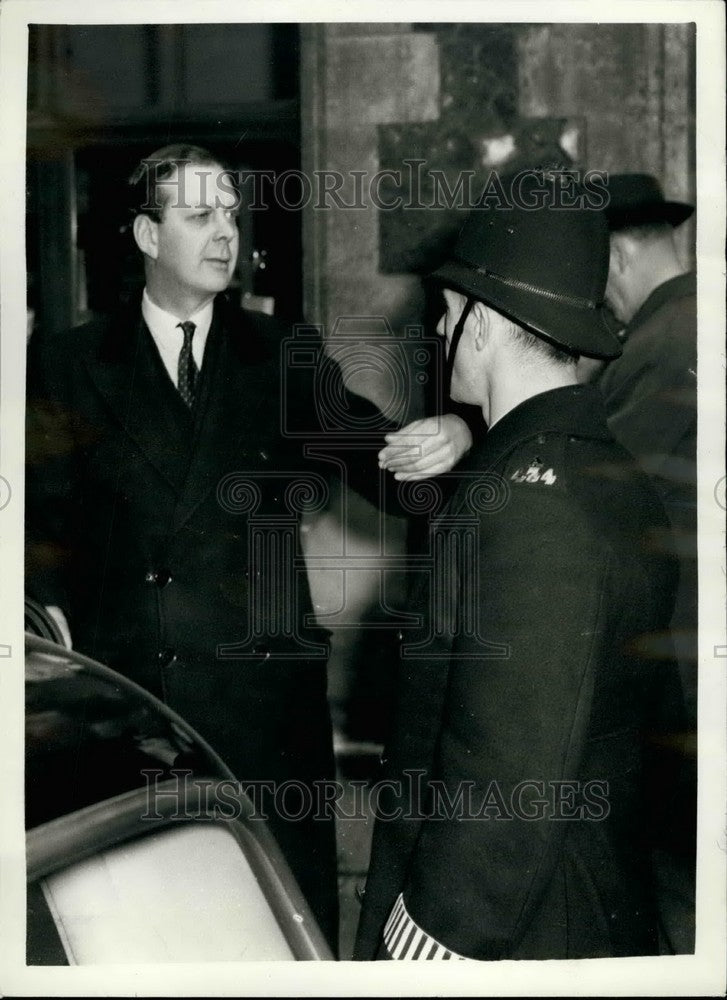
216,285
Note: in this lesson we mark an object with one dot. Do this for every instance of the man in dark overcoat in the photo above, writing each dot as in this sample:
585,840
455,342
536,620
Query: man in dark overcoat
650,391
162,509
650,394
513,814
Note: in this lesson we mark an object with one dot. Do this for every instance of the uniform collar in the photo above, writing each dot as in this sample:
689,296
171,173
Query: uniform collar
675,288
573,409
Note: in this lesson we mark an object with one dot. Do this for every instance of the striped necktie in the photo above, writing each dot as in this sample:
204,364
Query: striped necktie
187,371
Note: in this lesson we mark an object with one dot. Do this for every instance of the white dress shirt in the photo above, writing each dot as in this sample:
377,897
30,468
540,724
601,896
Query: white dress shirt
168,335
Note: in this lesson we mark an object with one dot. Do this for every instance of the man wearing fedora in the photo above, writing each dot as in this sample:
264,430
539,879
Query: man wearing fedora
512,811
650,393
651,390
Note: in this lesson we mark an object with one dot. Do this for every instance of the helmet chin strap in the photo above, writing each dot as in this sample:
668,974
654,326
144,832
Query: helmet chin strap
456,335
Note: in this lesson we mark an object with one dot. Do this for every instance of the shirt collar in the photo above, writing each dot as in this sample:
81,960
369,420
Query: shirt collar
161,322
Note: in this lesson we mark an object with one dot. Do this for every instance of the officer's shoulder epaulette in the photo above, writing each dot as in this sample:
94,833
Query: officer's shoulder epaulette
537,462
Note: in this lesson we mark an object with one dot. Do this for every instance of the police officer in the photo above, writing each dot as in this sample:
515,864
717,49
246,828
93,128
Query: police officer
512,819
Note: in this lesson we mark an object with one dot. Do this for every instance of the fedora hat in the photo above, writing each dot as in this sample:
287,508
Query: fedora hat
540,259
637,200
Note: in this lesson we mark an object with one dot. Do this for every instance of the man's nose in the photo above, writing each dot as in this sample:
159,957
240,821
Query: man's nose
226,228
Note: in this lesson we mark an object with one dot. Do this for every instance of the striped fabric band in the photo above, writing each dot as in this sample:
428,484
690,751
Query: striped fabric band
405,939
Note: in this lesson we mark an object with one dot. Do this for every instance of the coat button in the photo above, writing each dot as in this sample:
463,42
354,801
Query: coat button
166,657
360,891
160,577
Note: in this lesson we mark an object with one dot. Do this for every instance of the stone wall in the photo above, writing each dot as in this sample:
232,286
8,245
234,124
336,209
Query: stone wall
633,87
616,97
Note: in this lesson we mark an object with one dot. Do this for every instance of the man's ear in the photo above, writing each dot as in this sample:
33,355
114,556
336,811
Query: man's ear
146,235
621,251
481,317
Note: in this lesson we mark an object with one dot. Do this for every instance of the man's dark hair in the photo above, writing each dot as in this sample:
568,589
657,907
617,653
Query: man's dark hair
531,343
145,196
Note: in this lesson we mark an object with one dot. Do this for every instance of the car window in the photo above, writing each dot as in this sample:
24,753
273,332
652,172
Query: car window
91,735
127,807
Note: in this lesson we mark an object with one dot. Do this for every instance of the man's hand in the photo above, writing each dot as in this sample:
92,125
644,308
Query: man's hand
426,447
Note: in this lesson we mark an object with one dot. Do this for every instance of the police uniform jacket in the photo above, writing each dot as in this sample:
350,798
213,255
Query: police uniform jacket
533,694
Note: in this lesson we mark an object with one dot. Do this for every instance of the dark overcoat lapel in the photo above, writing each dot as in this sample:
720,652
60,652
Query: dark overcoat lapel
191,453
235,386
130,377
